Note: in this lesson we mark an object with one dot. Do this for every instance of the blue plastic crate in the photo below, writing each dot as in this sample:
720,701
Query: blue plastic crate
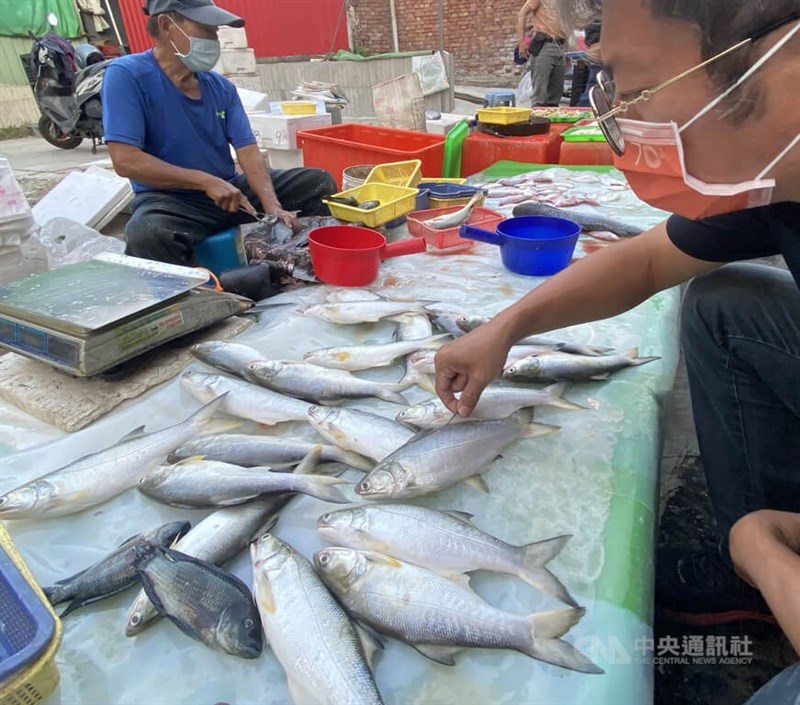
445,190
26,626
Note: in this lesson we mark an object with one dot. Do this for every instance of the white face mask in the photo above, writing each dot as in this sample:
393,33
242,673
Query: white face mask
203,53
655,165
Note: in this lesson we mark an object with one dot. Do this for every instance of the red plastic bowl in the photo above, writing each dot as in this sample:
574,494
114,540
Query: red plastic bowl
348,255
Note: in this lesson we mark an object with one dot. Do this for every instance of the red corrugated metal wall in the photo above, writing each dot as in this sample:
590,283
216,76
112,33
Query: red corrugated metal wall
274,27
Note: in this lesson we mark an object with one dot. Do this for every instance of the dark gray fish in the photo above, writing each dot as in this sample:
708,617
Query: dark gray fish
115,572
590,223
203,601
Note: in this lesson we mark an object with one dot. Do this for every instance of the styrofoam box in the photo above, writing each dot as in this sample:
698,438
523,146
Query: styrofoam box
253,101
233,61
285,158
250,82
444,124
232,37
280,131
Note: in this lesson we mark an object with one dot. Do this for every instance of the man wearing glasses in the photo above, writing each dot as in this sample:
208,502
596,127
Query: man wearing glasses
699,102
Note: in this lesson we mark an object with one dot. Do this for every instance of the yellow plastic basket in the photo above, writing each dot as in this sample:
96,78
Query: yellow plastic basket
406,174
394,202
434,202
442,180
503,115
299,107
32,683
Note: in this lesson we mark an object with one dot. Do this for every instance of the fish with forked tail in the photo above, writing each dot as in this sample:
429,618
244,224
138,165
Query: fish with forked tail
589,223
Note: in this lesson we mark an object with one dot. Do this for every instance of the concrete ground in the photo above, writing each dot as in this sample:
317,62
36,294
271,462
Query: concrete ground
684,501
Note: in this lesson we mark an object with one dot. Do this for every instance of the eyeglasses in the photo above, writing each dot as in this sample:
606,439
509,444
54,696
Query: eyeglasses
602,95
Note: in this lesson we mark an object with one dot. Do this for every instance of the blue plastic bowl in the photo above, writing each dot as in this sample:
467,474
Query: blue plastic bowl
532,245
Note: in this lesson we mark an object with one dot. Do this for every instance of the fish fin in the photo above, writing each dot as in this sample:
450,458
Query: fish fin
230,502
478,483
555,397
326,492
600,378
222,425
643,360
466,517
632,353
191,459
71,607
263,596
460,579
545,644
533,430
374,557
441,654
354,460
371,642
310,461
393,396
136,433
425,382
206,412
534,557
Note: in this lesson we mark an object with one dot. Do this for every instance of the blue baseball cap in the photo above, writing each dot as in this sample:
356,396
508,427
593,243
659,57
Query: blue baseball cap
200,11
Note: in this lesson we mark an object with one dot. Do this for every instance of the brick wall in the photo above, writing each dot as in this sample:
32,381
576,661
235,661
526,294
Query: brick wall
479,33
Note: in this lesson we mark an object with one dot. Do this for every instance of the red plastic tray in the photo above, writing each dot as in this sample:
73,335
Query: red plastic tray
444,239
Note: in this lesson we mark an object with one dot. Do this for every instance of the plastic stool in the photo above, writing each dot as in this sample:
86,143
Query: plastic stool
222,251
494,99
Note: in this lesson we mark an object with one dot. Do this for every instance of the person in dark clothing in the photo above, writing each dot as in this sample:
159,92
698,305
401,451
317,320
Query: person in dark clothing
698,102
170,123
594,62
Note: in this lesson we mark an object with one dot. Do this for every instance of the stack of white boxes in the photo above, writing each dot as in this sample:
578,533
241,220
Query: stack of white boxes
237,62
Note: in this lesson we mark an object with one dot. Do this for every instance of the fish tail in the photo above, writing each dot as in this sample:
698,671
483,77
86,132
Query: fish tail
309,463
206,412
534,430
533,559
56,594
324,488
546,628
555,394
635,360
391,393
354,460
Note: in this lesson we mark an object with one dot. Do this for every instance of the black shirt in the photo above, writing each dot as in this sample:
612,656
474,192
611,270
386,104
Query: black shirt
757,232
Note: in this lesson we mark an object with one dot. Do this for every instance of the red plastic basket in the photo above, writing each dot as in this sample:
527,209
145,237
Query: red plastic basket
446,239
340,146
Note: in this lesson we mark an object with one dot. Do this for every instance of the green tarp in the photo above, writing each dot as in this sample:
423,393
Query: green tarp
19,17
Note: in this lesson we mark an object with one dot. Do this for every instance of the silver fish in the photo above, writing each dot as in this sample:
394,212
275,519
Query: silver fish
446,322
575,368
209,483
320,385
100,476
247,451
205,602
217,539
309,633
439,617
470,323
422,361
228,357
415,327
115,572
366,357
435,459
338,296
445,542
586,221
359,431
245,399
354,312
496,402
452,220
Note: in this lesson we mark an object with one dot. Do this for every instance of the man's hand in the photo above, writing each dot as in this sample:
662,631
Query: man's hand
468,365
524,49
285,217
226,196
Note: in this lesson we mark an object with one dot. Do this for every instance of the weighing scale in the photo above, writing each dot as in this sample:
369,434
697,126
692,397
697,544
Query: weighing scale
91,316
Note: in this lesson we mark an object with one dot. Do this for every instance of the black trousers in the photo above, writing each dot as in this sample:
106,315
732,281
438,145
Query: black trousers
166,226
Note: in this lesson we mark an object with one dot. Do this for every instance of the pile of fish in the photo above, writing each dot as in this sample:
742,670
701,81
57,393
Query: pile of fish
396,567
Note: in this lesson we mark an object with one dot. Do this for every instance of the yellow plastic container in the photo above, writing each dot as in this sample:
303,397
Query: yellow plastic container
406,174
299,107
34,682
394,202
503,115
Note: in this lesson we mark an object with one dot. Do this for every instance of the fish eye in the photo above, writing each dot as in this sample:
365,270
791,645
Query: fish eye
324,559
248,623
136,620
364,486
325,518
265,537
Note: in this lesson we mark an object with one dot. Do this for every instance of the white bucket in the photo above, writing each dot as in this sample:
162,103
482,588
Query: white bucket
355,176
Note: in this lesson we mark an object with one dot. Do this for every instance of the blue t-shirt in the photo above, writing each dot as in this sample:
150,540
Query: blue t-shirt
143,108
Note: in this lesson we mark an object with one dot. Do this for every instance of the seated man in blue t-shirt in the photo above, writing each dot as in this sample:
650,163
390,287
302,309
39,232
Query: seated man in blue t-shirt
169,121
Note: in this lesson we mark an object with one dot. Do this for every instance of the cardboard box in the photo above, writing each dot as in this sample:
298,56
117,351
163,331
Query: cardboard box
248,81
234,61
280,131
232,37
